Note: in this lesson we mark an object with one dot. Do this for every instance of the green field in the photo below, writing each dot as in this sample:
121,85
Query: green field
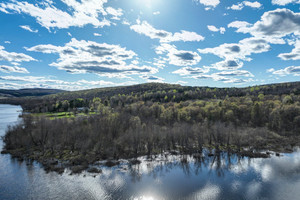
60,115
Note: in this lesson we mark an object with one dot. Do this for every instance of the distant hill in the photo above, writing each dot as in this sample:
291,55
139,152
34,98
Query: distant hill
203,92
154,92
32,92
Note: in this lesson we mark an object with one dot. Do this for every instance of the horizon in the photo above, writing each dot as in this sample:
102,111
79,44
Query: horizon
151,83
77,45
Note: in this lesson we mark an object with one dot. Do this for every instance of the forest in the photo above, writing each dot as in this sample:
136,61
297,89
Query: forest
4,93
148,119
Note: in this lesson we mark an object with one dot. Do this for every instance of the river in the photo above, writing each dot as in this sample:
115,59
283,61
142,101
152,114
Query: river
214,178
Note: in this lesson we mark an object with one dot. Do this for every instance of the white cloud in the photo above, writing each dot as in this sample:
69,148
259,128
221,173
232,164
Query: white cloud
13,56
186,36
241,5
48,16
270,70
148,30
164,36
294,54
235,73
209,4
225,77
292,70
33,79
215,29
159,62
284,2
7,42
13,69
273,25
239,51
19,82
227,65
238,6
152,78
254,4
92,57
242,26
126,22
181,82
97,34
237,80
116,13
156,13
178,57
233,55
27,28
212,28
191,71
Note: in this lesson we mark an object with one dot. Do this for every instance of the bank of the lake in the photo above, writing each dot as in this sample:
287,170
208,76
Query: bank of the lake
77,161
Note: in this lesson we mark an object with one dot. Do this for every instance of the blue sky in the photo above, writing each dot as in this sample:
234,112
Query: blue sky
81,44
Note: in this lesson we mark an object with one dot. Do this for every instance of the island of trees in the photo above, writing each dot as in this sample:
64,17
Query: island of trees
83,127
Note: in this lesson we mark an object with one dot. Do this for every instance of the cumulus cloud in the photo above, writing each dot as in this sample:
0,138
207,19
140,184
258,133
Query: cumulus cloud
191,71
209,4
241,5
152,78
237,80
222,78
233,55
13,56
292,70
156,13
239,51
18,82
116,13
47,15
178,57
273,25
293,55
235,73
270,70
164,36
284,2
227,65
160,62
215,29
13,69
242,26
28,28
92,57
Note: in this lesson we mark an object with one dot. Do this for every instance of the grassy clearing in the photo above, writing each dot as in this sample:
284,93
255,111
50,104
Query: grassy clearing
60,115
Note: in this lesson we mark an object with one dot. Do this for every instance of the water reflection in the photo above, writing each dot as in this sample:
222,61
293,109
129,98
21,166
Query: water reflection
224,176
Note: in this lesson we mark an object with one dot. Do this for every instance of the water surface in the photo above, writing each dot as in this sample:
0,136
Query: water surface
222,177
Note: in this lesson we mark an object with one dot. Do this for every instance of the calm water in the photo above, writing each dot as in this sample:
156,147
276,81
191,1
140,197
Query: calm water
211,178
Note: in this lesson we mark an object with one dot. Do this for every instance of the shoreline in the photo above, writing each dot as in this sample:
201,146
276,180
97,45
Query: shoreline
78,163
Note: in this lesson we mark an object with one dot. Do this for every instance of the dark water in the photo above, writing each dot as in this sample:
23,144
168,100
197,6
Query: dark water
211,178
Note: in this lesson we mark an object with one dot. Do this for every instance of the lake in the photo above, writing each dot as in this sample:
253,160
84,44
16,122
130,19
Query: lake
168,177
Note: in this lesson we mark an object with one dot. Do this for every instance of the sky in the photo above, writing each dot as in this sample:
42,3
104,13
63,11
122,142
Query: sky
83,44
